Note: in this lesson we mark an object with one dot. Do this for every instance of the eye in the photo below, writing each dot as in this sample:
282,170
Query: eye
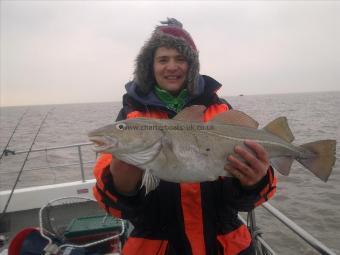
121,126
181,60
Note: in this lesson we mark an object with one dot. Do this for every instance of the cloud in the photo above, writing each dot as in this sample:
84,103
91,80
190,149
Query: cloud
82,51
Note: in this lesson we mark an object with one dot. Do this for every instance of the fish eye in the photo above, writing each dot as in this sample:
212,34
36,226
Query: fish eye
121,126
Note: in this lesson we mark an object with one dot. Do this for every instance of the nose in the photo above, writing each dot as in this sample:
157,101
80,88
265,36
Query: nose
172,66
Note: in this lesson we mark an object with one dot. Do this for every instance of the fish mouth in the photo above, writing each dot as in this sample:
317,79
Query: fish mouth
103,143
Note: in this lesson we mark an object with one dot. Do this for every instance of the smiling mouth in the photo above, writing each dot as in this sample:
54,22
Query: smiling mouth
103,143
173,77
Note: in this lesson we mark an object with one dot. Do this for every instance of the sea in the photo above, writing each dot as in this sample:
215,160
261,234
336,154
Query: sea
311,203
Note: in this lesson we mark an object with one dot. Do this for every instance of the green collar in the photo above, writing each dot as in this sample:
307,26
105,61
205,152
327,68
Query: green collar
175,103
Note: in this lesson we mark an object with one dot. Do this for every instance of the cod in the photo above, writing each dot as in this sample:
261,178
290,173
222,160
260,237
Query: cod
186,149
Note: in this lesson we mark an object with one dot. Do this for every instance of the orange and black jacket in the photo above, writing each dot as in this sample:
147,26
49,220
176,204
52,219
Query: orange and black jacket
182,218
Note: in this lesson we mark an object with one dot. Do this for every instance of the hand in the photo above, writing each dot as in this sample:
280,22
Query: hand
253,165
126,177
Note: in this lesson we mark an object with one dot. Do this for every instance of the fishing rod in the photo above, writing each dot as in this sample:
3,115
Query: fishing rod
6,151
23,165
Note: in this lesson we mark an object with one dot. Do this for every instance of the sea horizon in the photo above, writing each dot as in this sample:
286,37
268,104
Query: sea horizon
222,96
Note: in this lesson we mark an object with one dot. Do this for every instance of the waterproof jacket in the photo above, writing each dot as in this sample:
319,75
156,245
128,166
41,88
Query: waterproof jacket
182,218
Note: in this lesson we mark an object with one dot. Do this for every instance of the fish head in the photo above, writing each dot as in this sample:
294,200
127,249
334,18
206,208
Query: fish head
125,137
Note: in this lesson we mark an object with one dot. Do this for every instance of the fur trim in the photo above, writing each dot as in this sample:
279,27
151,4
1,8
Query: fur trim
143,74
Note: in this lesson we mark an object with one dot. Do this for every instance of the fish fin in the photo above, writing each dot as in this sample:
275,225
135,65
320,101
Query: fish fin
150,181
234,117
280,128
320,165
282,164
141,157
192,113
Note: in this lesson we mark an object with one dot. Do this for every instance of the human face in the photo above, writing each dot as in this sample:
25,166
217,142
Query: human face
170,69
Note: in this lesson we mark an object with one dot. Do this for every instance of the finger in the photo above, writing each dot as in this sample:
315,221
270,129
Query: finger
260,151
229,168
249,157
234,172
257,166
241,166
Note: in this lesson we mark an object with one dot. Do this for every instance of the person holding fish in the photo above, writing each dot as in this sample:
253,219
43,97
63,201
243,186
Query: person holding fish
171,216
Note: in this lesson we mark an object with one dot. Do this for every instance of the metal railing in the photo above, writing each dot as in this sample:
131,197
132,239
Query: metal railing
80,162
308,238
263,248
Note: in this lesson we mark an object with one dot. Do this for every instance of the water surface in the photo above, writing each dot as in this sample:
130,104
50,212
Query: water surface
314,205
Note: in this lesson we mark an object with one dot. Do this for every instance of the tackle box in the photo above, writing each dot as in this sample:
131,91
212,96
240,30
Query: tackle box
92,226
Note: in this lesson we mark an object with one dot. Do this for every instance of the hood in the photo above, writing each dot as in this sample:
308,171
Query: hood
170,35
133,90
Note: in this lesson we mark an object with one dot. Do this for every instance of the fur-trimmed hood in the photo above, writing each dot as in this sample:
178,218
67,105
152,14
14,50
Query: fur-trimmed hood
171,35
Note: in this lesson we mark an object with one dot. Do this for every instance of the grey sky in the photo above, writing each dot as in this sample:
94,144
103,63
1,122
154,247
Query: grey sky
84,51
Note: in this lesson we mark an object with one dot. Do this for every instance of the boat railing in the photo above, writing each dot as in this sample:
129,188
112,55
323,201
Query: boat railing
77,146
308,238
263,248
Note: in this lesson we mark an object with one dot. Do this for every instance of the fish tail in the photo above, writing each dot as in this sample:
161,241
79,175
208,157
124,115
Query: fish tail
320,165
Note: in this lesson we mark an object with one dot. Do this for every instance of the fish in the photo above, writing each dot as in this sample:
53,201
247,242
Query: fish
187,149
